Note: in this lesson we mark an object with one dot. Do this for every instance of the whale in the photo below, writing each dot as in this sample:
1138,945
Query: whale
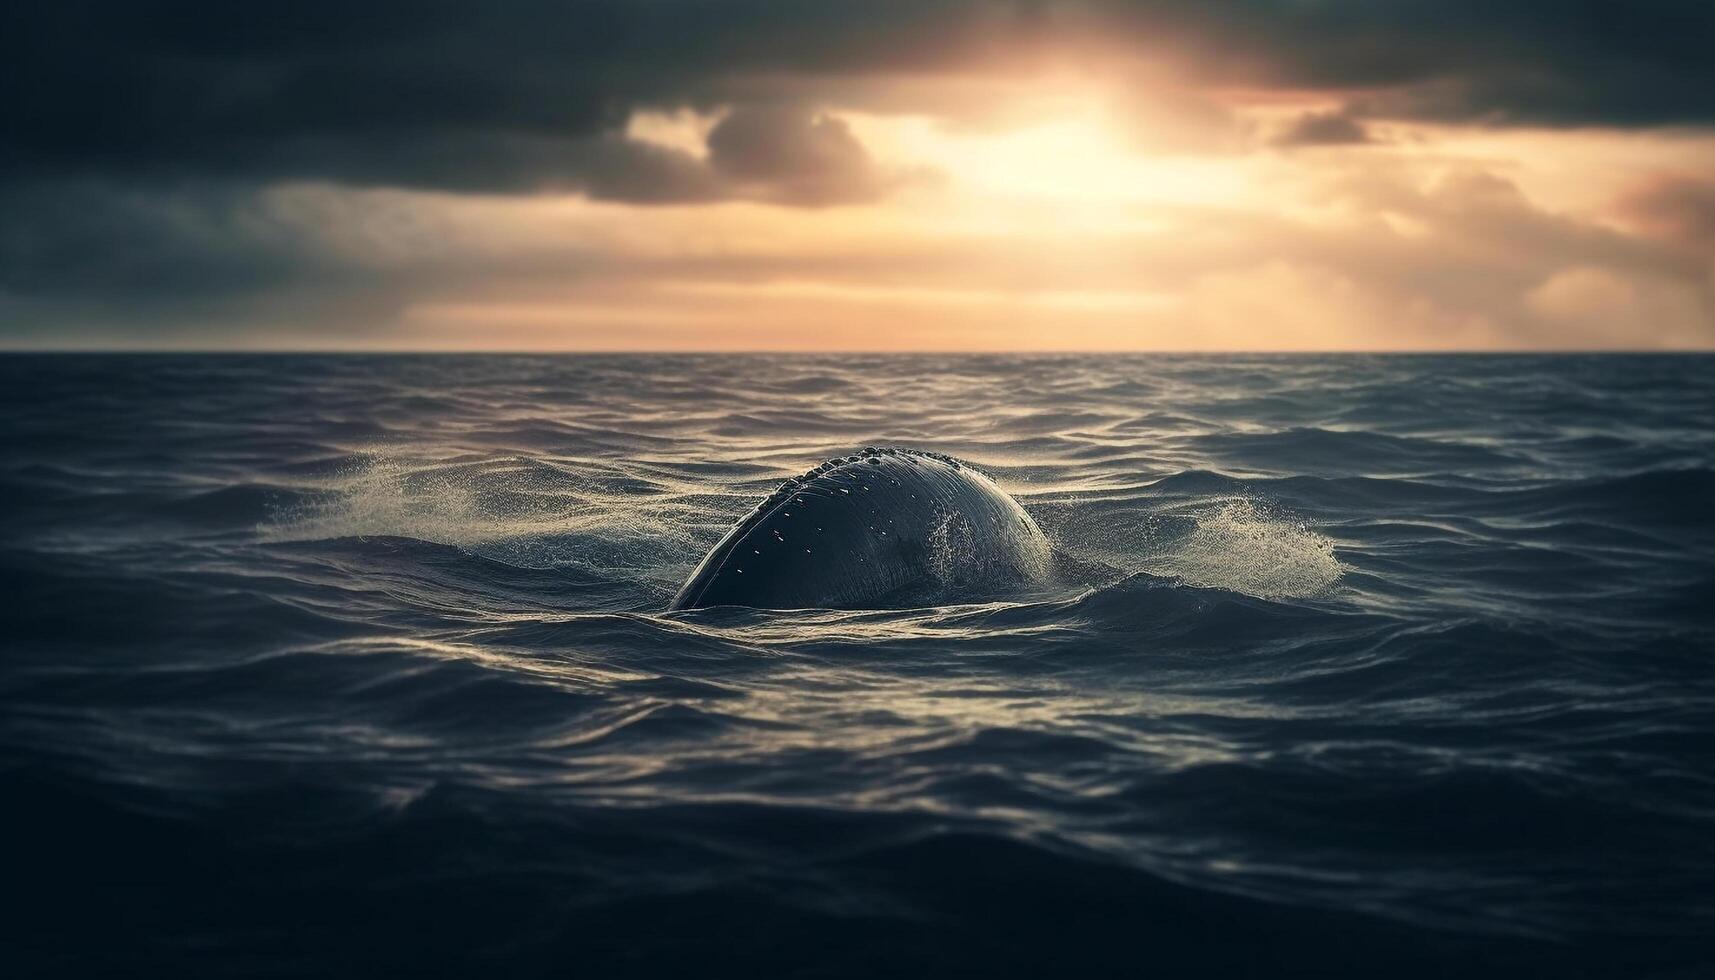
885,528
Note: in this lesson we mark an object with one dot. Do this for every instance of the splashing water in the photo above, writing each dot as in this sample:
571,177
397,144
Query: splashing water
525,513
389,495
1241,547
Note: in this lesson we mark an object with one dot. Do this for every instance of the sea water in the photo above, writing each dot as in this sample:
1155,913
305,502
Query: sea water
1354,666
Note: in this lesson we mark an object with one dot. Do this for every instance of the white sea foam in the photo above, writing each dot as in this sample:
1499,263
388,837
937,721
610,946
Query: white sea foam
389,495
1242,547
511,510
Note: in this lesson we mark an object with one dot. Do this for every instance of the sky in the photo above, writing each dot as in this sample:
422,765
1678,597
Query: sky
888,175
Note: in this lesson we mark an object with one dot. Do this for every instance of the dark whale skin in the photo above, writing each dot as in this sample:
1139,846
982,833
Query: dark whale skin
886,528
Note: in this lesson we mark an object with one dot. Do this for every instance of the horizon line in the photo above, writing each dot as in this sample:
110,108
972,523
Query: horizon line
799,351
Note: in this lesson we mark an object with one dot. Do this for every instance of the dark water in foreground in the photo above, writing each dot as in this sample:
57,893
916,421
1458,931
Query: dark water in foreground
1370,667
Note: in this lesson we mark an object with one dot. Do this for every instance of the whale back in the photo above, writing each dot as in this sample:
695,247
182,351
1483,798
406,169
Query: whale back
884,528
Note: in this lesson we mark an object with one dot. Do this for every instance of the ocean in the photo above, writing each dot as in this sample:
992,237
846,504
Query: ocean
1355,666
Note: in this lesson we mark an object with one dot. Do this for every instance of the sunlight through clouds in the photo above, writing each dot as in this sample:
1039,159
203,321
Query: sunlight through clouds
1095,177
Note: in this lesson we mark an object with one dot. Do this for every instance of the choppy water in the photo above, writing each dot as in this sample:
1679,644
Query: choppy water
1366,666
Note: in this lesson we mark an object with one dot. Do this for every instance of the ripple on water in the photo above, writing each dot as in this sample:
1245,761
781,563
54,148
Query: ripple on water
322,665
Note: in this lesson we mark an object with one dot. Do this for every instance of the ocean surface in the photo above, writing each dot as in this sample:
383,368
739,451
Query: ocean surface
359,665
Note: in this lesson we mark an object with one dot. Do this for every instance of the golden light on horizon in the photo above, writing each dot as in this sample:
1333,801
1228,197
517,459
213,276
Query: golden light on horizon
1032,205
1058,225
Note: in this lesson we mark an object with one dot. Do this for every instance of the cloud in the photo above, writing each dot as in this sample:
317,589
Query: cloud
232,166
1286,305
100,242
1594,306
791,155
1380,259
1323,129
1567,63
514,96
222,264
1677,207
1167,120
508,98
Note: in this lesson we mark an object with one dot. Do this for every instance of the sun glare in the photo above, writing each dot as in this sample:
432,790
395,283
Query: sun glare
1081,157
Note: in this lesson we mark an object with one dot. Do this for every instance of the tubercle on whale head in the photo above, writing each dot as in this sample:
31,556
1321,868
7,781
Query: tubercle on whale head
867,453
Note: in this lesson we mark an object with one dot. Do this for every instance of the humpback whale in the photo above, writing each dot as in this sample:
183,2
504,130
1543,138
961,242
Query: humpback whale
885,528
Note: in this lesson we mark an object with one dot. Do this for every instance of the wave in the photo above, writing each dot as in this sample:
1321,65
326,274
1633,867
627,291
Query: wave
1675,499
322,665
1354,452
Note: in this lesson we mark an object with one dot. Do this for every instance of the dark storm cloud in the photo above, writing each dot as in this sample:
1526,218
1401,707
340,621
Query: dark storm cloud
802,157
97,241
1547,62
447,96
525,95
80,254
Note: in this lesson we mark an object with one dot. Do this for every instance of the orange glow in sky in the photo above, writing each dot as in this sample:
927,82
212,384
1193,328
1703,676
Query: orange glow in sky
1054,211
1071,229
